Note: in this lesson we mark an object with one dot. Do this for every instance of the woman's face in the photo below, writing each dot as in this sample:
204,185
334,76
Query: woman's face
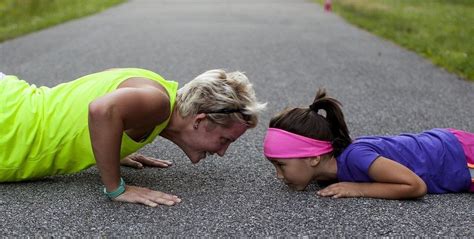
296,173
209,138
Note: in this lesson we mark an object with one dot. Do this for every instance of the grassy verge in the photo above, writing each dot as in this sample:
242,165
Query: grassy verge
18,17
440,30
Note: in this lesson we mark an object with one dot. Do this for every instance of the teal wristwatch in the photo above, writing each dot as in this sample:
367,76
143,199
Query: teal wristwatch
117,192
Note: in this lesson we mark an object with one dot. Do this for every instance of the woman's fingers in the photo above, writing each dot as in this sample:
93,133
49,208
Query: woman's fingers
147,202
129,162
152,162
139,161
166,199
147,197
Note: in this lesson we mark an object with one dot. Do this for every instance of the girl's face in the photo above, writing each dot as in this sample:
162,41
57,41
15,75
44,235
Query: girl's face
296,173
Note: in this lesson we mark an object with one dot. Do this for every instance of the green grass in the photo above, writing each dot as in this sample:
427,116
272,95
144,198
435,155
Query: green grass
440,30
19,17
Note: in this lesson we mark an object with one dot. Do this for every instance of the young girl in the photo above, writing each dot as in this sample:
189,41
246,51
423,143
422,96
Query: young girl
306,144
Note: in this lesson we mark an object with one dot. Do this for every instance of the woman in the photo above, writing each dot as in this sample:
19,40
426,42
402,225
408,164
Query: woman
104,117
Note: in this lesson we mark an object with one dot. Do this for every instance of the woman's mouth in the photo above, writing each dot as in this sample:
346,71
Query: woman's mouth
202,156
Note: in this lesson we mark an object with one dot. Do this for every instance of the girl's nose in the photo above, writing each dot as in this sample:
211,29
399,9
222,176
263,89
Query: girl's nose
279,175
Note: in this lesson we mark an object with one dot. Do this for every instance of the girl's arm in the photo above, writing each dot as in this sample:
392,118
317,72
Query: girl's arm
109,117
392,181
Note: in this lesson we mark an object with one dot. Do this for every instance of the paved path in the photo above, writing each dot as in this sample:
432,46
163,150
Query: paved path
288,49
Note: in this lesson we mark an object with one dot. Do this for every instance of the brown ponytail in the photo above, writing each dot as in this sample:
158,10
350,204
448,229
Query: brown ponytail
311,122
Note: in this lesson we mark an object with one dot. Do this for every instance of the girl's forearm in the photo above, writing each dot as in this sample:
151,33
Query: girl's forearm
391,190
373,190
393,181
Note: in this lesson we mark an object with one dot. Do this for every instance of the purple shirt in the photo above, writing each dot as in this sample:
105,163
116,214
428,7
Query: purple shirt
435,155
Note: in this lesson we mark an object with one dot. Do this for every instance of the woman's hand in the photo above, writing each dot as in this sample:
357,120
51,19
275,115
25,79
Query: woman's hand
148,197
341,190
139,161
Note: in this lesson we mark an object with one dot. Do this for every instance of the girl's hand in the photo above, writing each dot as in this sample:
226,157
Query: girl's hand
341,190
148,197
139,161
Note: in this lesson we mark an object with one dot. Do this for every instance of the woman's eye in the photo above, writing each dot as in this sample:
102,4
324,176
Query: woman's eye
225,141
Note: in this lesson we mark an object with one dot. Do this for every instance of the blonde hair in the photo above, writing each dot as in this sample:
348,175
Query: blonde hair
224,97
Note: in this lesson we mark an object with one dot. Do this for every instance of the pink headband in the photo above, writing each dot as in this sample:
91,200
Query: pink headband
283,144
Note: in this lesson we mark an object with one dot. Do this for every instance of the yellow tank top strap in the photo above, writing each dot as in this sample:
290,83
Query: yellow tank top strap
129,145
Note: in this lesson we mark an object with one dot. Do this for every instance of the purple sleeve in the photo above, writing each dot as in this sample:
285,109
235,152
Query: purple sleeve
358,161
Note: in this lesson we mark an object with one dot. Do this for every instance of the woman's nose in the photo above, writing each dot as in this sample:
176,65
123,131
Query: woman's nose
222,151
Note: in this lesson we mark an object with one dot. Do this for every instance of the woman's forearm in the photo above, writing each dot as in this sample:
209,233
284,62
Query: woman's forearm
106,130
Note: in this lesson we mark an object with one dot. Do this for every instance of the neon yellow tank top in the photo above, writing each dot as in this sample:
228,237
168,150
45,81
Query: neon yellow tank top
44,131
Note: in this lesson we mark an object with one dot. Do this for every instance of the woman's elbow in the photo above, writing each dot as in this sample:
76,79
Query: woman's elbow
98,109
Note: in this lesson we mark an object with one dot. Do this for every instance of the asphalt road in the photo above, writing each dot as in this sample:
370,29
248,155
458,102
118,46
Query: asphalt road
288,49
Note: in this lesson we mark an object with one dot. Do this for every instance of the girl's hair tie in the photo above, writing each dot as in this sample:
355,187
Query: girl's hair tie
313,107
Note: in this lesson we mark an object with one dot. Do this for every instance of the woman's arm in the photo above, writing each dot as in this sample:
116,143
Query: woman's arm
392,181
109,117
